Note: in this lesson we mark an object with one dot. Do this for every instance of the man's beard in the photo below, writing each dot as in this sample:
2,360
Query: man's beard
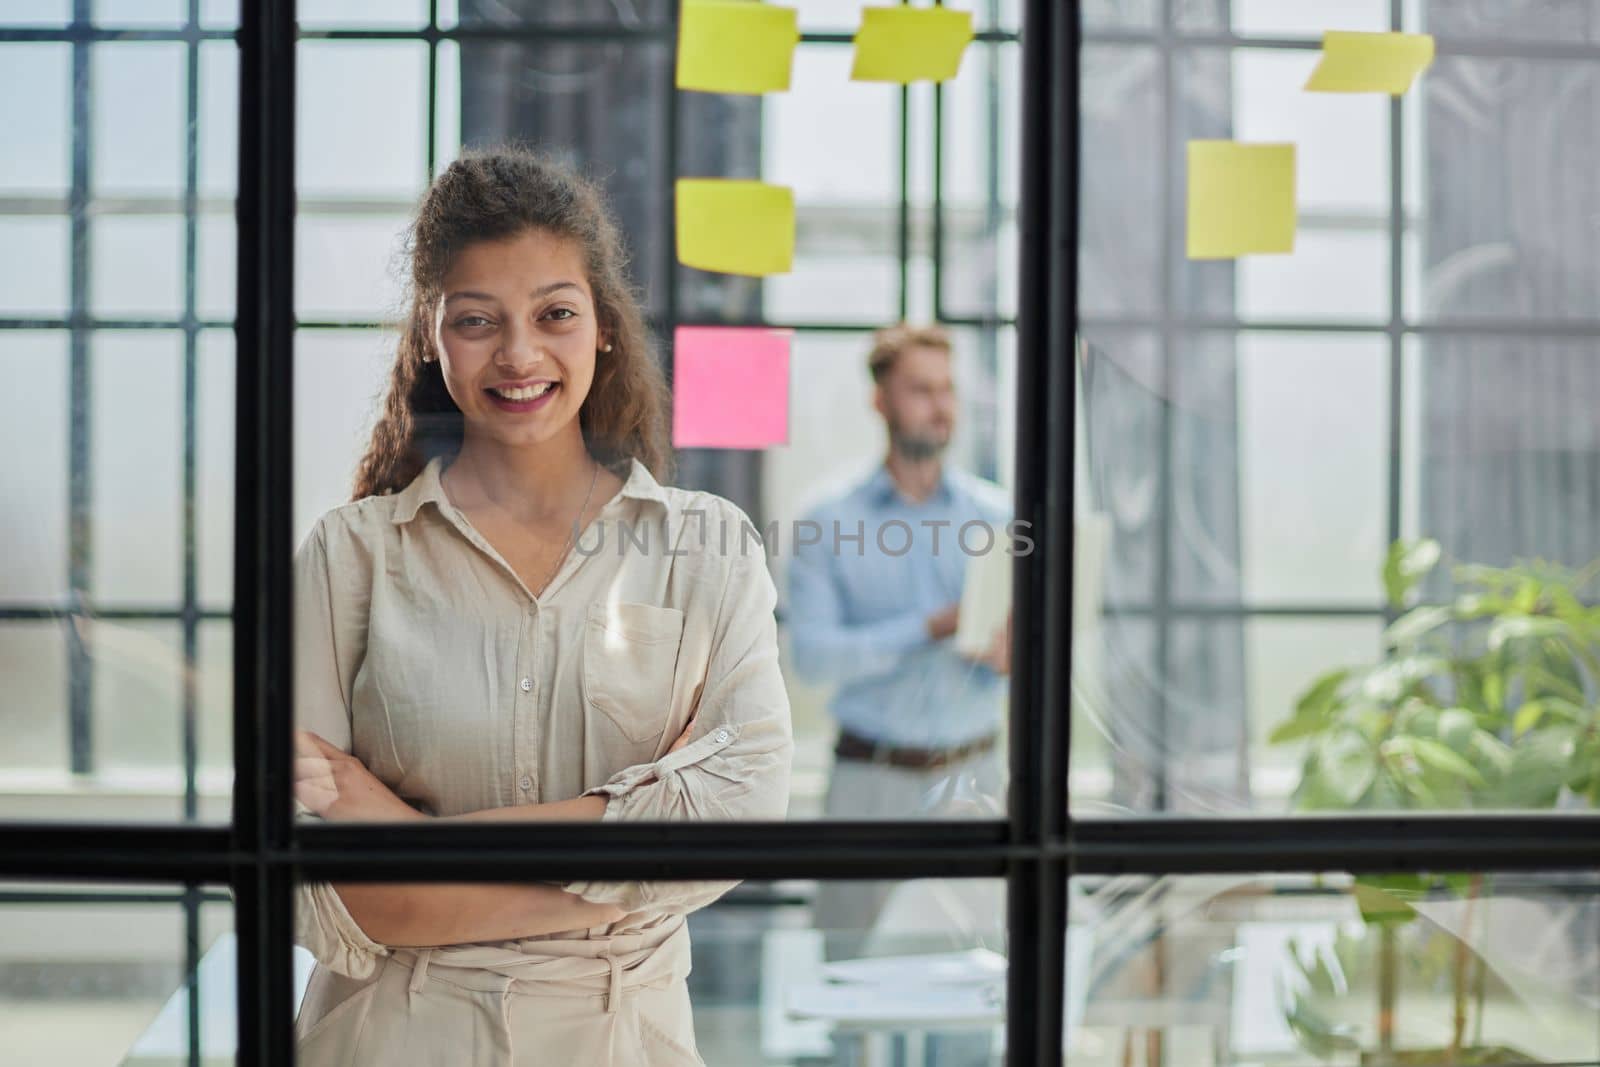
918,447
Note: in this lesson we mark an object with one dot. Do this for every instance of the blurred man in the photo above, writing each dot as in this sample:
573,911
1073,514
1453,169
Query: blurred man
873,605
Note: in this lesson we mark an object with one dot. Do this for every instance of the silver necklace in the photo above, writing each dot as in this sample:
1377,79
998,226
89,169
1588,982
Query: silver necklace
573,536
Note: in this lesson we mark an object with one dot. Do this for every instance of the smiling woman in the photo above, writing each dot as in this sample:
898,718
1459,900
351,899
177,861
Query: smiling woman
455,659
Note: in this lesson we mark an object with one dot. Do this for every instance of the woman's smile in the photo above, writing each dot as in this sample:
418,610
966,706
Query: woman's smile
522,397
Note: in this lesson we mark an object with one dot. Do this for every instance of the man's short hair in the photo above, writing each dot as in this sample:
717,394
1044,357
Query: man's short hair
889,342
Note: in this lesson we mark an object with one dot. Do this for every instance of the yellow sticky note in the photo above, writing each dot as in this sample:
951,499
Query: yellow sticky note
1370,62
736,46
735,227
1241,199
908,44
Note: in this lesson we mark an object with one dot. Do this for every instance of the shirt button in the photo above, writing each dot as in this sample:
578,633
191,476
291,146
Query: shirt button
525,783
722,737
527,685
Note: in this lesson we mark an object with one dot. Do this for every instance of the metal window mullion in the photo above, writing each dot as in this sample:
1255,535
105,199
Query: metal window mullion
1036,919
431,151
670,274
263,539
1161,595
1395,329
903,245
193,894
80,681
936,248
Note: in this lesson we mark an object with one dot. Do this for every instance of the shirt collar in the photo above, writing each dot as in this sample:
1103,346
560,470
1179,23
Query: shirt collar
427,487
882,489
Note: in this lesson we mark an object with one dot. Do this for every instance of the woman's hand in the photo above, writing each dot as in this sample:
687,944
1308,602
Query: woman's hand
683,738
338,787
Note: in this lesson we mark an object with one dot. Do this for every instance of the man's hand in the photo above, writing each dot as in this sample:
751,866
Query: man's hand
998,656
338,787
942,624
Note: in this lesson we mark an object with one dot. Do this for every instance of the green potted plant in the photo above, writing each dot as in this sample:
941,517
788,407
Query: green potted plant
1485,701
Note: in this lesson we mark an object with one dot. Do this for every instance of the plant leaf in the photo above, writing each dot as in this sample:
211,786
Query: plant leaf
1445,759
1407,564
1528,717
1416,624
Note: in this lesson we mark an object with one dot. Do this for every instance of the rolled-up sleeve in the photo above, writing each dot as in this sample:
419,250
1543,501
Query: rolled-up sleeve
736,765
322,923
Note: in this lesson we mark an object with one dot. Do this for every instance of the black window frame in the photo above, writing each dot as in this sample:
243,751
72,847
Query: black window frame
261,854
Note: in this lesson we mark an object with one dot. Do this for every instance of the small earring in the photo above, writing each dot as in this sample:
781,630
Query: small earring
606,347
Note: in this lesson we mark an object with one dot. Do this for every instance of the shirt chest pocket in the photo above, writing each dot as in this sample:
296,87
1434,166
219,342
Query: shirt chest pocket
630,655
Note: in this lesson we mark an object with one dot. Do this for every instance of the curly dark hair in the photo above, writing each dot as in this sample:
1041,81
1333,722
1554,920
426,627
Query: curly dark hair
490,194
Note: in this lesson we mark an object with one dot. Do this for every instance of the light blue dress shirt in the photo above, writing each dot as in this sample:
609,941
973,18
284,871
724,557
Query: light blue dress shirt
858,610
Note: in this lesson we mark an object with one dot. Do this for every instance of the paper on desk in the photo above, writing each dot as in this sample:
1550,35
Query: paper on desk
733,46
985,597
974,967
1370,62
947,1006
1241,199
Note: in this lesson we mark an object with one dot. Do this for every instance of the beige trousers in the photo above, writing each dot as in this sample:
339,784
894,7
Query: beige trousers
618,1000
845,910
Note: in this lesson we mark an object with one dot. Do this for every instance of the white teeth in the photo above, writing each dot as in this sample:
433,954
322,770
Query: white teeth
529,392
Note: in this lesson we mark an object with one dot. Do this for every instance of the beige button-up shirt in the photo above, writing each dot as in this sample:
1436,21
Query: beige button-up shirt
418,649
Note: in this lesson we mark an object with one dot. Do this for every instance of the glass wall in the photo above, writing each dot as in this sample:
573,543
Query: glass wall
1338,500
135,975
1326,968
116,341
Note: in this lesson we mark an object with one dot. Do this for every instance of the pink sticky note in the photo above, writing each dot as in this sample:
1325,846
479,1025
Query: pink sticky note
730,387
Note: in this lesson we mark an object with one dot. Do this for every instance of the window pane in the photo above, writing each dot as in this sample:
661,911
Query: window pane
219,122
33,669
1504,184
1120,14
35,12
846,199
142,13
1283,657
34,272
1565,21
35,102
33,416
979,196
348,267
541,12
215,695
214,499
1119,249
1313,448
340,379
91,974
598,106
1303,969
217,253
219,14
137,266
136,433
1339,267
777,973
139,119
360,133
335,14
138,678
1283,18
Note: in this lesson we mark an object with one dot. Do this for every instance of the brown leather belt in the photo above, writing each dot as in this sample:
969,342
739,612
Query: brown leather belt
855,747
